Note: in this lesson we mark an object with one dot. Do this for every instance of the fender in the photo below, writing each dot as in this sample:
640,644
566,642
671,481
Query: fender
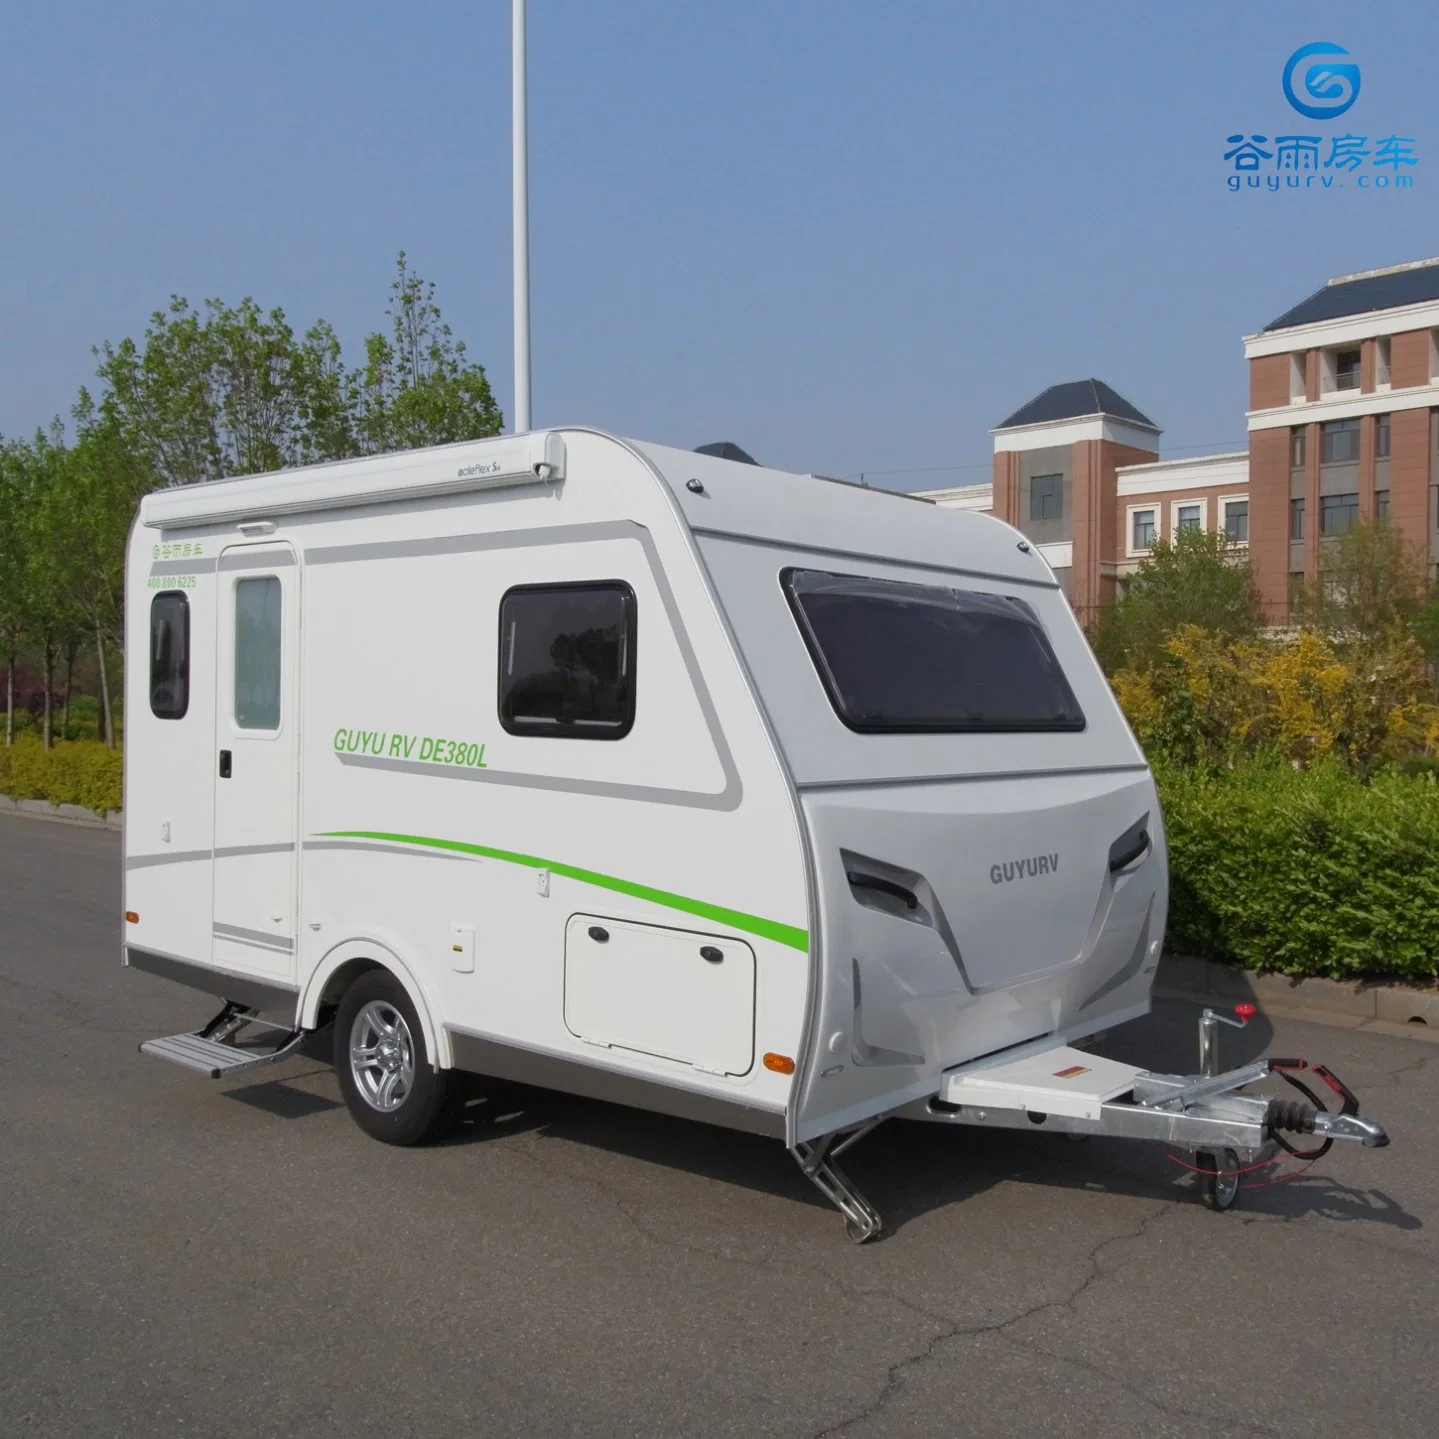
385,951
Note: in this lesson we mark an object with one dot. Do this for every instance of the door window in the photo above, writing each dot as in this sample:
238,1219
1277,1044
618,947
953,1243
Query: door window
257,653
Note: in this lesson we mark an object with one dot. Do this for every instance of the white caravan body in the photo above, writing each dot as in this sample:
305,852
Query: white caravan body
740,893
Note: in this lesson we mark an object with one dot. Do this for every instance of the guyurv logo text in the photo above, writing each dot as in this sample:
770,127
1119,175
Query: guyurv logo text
1321,83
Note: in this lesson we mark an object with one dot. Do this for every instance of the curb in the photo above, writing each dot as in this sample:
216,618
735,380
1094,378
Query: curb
1395,1009
112,820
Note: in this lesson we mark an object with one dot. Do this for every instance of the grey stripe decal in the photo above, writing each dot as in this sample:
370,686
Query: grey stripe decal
727,799
234,851
255,938
239,559
820,785
770,542
187,856
183,856
371,848
686,799
183,567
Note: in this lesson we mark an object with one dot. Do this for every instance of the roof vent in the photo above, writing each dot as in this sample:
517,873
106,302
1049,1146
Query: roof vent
726,450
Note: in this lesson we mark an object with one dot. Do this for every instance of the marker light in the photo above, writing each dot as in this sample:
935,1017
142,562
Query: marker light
780,1063
131,917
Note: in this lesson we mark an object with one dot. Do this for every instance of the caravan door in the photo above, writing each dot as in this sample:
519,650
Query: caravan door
256,761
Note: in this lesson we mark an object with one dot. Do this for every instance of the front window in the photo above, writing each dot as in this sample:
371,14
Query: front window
1236,521
1338,513
1296,519
1381,505
1296,448
1188,517
1346,370
897,657
1144,529
1381,437
1046,497
1339,442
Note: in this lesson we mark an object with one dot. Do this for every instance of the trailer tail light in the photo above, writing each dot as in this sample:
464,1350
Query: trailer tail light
131,917
780,1063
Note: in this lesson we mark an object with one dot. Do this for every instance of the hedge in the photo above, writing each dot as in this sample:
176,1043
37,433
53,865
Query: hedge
79,772
1305,871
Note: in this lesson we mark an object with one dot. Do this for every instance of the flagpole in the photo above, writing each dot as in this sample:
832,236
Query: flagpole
521,206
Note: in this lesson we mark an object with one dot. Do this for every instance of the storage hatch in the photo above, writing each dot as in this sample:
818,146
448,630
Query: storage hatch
669,992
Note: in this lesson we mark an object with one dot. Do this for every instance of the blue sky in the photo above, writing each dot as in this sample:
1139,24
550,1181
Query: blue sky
851,237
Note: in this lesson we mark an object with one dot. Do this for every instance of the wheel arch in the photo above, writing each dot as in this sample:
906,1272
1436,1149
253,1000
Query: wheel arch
349,959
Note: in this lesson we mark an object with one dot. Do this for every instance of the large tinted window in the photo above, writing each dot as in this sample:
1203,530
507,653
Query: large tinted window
917,657
169,655
257,653
567,660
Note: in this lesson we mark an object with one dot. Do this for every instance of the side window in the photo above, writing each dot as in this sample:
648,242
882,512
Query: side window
567,660
257,653
169,655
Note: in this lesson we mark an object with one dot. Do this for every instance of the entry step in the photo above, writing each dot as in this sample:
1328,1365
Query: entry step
218,1060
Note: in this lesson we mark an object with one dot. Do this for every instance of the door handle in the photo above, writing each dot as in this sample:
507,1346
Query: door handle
224,764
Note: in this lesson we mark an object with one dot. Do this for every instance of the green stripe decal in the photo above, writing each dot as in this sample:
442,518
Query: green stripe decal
786,934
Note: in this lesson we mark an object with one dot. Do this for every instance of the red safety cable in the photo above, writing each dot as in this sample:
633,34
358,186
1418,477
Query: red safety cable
1228,1173
1194,1168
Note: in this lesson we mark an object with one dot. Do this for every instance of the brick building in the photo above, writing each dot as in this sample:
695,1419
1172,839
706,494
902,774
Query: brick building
1343,425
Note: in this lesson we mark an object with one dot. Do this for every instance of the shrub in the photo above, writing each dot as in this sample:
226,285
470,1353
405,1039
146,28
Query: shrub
1211,703
1305,871
82,772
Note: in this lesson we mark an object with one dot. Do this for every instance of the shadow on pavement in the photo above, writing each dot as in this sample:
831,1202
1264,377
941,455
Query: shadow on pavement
908,1169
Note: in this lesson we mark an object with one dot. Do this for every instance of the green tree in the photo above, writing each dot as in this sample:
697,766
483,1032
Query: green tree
229,392
417,386
1373,583
1200,578
15,540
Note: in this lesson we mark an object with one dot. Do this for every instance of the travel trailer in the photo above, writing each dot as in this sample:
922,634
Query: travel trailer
765,800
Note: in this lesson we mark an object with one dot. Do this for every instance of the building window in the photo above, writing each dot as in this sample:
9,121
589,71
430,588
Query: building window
1296,448
1381,437
1346,370
1338,513
1381,362
1381,505
1236,521
1296,519
567,660
169,655
1188,517
1339,442
1046,497
1145,530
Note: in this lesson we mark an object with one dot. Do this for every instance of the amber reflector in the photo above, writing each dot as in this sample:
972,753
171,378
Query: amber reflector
780,1063
131,917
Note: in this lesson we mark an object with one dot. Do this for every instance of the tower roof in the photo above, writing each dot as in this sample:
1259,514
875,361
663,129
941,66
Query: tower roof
1074,399
1361,294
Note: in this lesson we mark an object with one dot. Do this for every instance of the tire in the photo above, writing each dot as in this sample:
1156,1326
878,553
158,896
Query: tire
391,1086
1218,1181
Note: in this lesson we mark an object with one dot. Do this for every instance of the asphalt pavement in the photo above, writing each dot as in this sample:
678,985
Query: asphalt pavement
185,1257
